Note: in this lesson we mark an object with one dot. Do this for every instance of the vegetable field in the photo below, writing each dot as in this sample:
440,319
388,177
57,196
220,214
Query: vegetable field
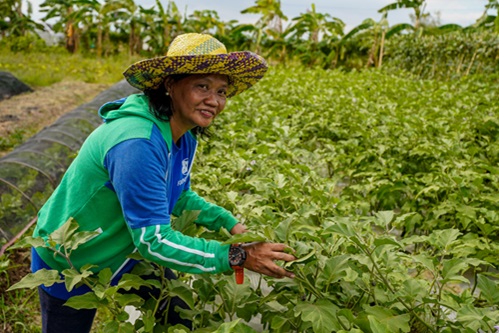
385,186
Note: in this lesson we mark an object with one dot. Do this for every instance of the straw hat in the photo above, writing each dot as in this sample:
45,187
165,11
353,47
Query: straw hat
198,54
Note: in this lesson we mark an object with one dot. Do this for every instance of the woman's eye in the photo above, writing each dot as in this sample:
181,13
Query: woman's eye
222,92
203,86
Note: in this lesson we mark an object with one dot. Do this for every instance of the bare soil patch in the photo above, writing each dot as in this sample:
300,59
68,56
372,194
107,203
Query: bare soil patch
28,113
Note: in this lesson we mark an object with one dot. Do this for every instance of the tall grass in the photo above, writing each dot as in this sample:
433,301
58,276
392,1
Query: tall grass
47,66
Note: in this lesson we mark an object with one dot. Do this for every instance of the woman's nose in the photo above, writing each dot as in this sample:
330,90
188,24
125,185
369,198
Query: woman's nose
212,99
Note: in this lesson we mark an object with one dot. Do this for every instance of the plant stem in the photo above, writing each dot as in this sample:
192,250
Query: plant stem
387,283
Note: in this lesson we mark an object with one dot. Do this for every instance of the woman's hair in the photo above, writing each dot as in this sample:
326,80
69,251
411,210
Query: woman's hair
160,104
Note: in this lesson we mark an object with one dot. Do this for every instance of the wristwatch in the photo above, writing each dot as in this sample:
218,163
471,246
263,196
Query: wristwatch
237,255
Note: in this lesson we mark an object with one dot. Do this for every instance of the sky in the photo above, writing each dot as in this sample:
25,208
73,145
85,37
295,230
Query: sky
352,12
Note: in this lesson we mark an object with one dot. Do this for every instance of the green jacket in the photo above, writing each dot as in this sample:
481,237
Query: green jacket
125,182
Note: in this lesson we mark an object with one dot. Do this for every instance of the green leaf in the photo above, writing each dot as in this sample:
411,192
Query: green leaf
105,276
470,314
186,220
32,280
385,240
227,327
129,281
136,256
179,328
4,264
28,241
322,315
247,237
335,269
452,269
384,218
427,262
122,316
180,289
148,320
129,299
341,228
413,289
85,301
444,238
234,294
378,327
275,306
302,260
111,327
281,231
346,316
79,238
118,327
386,320
72,277
278,322
488,289
63,235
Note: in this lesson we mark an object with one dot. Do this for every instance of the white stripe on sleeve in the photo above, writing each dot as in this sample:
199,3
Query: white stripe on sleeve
176,246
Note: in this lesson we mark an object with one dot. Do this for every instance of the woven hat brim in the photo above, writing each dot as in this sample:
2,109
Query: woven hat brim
244,69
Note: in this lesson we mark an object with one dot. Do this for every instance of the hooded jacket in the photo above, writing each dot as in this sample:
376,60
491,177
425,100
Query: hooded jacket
128,178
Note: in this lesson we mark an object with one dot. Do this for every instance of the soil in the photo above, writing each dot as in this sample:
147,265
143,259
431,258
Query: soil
28,113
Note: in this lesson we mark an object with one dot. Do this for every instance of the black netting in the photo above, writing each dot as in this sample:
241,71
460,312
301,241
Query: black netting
10,86
30,173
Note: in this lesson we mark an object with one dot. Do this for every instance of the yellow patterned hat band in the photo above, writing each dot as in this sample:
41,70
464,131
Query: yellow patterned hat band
198,54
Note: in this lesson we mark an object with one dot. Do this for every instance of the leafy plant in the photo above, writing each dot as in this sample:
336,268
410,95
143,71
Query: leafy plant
384,186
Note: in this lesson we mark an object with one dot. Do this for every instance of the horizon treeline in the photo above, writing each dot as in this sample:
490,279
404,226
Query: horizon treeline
424,46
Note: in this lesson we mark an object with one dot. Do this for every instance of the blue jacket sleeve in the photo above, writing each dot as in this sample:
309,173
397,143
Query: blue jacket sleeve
137,170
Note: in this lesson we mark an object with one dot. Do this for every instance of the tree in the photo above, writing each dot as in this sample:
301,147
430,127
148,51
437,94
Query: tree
160,26
13,21
377,33
62,11
417,5
238,36
127,18
309,29
490,21
270,20
314,25
91,16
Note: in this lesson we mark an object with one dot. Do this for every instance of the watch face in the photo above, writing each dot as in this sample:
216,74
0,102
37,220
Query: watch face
237,256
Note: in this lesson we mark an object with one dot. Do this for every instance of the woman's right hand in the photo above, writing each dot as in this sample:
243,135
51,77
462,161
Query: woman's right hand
260,258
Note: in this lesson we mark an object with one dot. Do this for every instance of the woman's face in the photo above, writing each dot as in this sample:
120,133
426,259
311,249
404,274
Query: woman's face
197,99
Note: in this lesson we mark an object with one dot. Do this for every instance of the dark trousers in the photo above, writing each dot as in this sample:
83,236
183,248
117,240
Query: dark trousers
58,318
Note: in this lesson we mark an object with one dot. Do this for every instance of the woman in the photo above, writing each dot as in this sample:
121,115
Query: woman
133,172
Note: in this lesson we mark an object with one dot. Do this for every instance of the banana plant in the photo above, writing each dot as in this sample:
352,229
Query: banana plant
417,5
127,17
14,22
314,32
270,20
490,21
205,21
62,10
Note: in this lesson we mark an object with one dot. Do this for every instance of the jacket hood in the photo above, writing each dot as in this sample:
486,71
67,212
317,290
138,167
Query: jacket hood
136,105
